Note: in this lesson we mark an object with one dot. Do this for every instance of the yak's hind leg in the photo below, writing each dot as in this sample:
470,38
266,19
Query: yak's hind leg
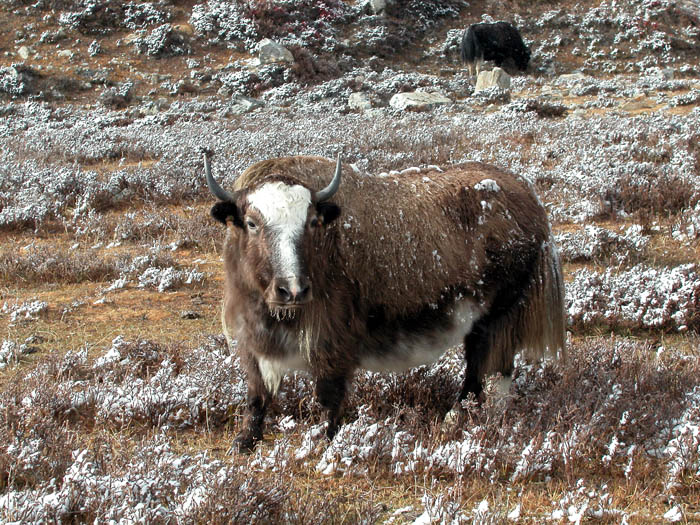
258,399
527,315
483,359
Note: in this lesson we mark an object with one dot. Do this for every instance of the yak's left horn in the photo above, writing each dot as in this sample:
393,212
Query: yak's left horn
328,192
217,190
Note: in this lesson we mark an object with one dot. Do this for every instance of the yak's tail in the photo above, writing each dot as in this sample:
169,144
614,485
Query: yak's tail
470,49
534,325
543,323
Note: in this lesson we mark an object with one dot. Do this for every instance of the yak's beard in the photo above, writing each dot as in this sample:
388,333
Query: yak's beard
304,321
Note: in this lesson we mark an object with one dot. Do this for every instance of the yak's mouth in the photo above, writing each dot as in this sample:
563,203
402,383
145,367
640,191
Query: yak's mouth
284,312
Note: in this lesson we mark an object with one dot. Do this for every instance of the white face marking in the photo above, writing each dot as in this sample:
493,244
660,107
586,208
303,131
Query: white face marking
411,351
284,209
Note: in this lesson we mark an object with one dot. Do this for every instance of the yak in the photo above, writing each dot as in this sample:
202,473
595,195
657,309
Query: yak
500,42
383,273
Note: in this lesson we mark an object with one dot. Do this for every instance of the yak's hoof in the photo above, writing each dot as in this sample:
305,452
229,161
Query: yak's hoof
244,443
331,431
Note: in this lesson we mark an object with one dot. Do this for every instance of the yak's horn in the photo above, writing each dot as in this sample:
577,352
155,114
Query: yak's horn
328,192
217,190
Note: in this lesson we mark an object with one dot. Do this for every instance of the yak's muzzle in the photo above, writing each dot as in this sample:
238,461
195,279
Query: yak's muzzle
289,291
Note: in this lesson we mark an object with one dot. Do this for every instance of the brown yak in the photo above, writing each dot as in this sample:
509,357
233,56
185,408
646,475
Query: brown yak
383,273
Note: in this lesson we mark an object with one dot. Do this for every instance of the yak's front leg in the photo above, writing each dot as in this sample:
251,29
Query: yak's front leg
330,390
258,399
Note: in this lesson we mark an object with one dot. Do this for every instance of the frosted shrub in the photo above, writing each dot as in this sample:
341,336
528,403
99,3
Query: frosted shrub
641,297
16,80
594,243
162,41
683,450
27,311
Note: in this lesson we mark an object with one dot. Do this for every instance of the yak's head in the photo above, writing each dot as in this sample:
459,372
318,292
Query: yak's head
279,222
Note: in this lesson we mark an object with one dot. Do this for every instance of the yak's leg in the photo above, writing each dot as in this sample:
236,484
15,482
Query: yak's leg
331,394
258,399
471,68
476,350
479,66
482,361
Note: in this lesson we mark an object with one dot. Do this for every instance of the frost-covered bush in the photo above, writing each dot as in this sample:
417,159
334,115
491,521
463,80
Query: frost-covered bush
164,279
594,243
95,17
492,95
26,311
223,21
117,97
17,80
688,227
641,297
11,352
243,24
692,97
163,41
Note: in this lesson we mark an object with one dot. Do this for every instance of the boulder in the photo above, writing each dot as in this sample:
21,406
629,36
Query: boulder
377,6
494,78
270,52
243,104
571,78
418,100
359,101
23,52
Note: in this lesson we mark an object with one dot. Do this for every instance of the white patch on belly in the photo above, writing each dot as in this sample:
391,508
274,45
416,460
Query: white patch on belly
284,209
411,351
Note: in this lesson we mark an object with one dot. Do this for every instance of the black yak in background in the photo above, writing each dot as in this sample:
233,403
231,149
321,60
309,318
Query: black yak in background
499,42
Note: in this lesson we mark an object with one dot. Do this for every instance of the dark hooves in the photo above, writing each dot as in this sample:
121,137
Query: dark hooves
244,443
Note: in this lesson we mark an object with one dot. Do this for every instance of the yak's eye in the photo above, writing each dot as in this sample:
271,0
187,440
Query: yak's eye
251,225
314,222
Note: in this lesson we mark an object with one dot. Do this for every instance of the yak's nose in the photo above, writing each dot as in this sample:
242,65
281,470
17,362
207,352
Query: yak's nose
292,290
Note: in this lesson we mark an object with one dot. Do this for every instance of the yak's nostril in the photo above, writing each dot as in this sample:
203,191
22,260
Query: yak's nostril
284,294
303,292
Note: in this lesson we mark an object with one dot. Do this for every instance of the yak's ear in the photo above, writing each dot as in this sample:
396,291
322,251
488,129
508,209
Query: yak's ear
224,210
327,211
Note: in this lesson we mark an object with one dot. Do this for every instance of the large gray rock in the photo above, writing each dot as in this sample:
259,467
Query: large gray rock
359,101
571,78
418,100
494,78
270,52
23,52
245,104
377,6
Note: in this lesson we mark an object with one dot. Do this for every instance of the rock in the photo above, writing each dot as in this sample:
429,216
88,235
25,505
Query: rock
418,100
359,101
377,6
185,29
571,78
23,52
190,314
243,104
494,78
270,52
65,53
636,104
